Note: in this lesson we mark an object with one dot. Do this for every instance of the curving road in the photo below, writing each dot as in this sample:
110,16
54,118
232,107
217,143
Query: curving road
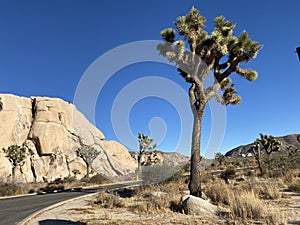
14,210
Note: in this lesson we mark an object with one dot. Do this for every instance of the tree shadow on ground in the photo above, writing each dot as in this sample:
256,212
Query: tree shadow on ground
59,222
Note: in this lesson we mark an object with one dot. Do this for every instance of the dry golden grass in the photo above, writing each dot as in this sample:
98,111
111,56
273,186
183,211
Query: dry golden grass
247,200
267,190
110,201
218,192
246,205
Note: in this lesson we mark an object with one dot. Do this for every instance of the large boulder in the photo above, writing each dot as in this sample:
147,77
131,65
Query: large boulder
15,119
197,206
54,130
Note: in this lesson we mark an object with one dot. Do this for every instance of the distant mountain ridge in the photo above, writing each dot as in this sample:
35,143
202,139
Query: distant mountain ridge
292,139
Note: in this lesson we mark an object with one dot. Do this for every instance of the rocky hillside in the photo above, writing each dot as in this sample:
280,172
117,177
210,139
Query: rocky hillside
54,130
159,157
244,150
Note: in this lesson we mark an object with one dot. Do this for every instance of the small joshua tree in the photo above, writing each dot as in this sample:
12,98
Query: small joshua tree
88,154
267,143
17,156
220,158
144,146
75,172
219,52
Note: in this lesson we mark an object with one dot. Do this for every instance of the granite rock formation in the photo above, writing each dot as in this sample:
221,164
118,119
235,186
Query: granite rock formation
54,130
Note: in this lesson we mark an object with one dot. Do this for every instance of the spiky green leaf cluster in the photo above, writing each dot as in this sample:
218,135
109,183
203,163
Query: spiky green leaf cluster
225,82
188,25
230,97
168,35
244,47
229,93
220,43
268,143
249,74
145,143
88,154
221,38
221,51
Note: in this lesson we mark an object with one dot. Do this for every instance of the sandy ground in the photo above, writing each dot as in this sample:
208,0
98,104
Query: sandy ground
82,212
292,208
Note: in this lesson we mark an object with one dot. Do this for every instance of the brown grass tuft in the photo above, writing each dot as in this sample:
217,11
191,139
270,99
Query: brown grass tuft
246,205
218,193
295,186
109,201
268,190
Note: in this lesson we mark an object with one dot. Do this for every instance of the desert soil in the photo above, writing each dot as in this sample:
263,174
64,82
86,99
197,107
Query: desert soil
82,212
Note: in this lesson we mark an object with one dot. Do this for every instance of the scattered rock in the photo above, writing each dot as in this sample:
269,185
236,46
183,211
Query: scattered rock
157,194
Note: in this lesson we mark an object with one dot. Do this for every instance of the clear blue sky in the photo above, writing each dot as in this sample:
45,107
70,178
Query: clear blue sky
47,46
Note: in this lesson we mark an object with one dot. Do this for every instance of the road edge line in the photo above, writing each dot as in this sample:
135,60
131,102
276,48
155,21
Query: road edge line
37,213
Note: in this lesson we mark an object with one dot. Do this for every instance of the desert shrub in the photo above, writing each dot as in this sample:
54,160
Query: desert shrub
218,193
8,189
57,181
56,185
295,186
176,206
105,200
99,179
249,173
206,177
228,174
152,205
267,190
151,199
69,179
290,175
246,205
126,192
275,217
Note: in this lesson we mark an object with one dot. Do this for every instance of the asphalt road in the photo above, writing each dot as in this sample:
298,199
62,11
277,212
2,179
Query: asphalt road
14,210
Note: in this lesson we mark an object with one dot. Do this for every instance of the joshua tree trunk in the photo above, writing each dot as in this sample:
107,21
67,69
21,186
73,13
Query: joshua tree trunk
139,166
87,171
195,180
13,172
260,167
257,155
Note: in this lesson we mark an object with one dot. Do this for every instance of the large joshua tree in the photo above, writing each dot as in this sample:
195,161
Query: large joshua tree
219,53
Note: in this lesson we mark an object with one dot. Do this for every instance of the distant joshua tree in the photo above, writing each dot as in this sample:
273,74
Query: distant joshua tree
219,52
88,154
220,158
144,146
267,143
76,172
17,156
291,150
